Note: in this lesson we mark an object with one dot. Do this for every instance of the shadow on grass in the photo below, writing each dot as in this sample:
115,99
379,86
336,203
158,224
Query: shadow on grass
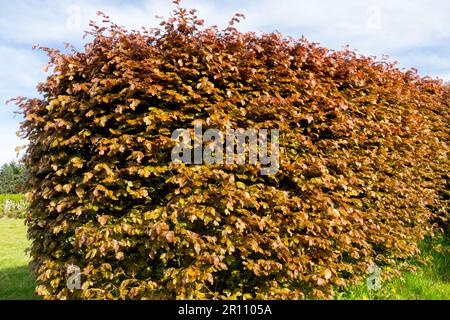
17,284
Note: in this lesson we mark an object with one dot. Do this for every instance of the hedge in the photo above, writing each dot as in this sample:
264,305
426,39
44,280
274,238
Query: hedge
363,161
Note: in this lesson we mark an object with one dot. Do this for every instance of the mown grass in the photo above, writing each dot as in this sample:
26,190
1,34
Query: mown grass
429,282
16,282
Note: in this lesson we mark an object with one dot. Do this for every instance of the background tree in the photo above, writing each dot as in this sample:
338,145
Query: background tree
12,178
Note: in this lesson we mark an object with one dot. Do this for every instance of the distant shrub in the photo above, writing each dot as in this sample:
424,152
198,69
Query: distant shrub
12,205
364,155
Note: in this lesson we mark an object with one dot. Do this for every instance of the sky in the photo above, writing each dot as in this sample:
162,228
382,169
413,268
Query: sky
416,33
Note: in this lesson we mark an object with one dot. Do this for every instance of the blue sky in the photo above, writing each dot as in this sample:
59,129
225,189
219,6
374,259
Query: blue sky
416,33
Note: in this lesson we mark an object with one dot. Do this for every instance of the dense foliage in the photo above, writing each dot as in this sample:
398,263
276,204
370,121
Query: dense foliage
12,177
364,157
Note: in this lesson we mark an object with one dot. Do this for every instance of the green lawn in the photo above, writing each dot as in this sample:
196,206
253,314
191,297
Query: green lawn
16,282
428,282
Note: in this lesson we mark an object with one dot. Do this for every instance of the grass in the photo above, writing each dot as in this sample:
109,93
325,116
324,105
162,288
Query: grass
429,282
16,282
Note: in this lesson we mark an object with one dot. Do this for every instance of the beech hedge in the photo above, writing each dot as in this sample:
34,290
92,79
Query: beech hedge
363,165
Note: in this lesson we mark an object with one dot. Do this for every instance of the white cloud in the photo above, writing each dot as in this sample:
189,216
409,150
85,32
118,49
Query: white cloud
445,76
9,142
373,27
20,71
50,21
